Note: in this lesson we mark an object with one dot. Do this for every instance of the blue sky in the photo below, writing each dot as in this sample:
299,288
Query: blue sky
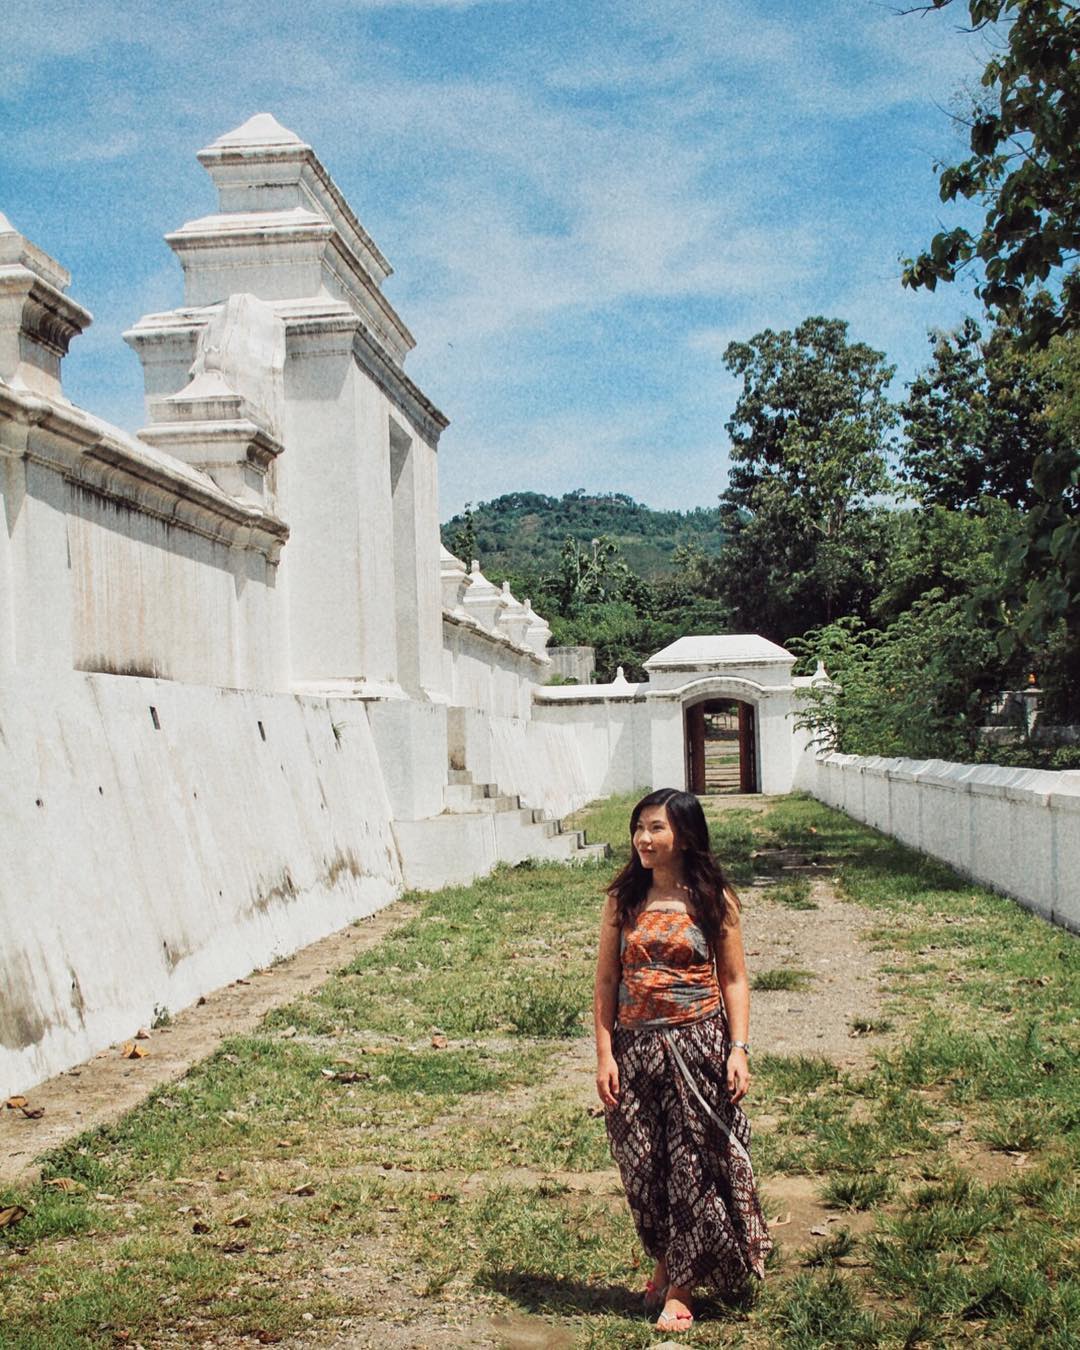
584,200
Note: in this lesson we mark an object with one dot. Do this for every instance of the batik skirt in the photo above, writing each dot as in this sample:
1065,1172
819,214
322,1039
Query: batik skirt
683,1151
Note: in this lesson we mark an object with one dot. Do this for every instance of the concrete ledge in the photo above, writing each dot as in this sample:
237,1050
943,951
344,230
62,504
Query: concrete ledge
1012,830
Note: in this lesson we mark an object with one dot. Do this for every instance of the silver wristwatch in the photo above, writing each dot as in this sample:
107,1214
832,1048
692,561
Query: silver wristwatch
741,1045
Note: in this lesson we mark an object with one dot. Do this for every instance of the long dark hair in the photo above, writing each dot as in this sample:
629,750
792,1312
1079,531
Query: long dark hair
701,872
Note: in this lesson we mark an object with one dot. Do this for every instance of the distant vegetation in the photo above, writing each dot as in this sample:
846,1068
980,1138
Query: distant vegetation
523,531
604,570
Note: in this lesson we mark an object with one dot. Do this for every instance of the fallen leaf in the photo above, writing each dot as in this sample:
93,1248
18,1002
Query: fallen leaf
200,1227
241,1221
779,1222
283,1143
439,1042
13,1102
242,982
819,1232
11,1214
306,1189
142,1034
439,1197
33,1112
235,1246
65,1184
222,1176
129,1050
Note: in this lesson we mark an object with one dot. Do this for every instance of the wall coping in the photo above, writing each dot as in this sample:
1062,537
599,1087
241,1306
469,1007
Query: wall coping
1044,787
100,457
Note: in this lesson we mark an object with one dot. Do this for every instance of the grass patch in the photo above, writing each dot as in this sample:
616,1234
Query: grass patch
793,894
859,1190
870,1026
783,977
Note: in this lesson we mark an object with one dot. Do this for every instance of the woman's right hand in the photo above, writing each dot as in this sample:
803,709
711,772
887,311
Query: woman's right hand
607,1080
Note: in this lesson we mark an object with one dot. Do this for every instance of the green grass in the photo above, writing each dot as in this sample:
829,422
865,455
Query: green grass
793,893
783,977
346,1130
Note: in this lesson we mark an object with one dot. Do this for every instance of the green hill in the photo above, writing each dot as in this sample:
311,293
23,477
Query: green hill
525,531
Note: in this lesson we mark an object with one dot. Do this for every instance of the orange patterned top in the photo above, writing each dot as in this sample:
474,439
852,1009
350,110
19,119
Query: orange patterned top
668,976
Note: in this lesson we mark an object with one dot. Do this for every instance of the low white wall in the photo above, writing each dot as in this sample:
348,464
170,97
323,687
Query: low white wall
155,863
1014,830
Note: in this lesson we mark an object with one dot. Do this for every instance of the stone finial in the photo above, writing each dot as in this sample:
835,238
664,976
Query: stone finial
454,580
262,129
483,601
37,320
538,631
514,619
227,420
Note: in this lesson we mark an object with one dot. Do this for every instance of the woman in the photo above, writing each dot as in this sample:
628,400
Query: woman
672,1012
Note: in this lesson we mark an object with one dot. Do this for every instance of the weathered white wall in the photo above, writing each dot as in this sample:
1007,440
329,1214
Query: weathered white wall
144,864
612,735
486,670
1015,830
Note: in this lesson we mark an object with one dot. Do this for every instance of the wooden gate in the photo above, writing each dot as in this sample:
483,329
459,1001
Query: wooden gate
721,747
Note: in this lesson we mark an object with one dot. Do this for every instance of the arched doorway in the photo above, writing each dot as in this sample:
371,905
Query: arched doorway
721,746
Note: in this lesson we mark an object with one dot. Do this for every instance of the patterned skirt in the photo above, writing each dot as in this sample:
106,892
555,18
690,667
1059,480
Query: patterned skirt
683,1151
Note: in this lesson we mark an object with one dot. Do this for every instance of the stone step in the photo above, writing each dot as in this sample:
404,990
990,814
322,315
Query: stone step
463,798
520,831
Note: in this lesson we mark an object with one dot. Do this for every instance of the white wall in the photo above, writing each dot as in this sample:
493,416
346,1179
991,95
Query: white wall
1014,830
612,736
145,865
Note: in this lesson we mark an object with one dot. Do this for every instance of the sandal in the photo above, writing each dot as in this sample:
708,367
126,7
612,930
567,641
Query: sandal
654,1295
676,1320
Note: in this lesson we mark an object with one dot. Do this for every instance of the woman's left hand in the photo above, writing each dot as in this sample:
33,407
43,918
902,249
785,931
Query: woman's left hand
738,1075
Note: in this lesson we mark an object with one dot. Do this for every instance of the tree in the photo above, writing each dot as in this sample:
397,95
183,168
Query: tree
593,575
1024,167
918,687
972,424
463,539
958,554
809,454
1044,555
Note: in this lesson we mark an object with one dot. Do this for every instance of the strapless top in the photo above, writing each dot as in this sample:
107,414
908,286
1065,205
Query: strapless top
668,976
